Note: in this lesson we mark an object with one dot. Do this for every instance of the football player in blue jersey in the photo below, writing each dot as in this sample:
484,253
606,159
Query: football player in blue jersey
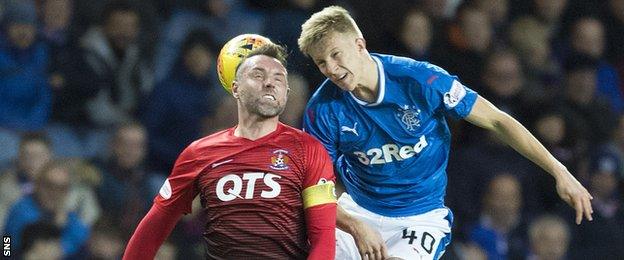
383,120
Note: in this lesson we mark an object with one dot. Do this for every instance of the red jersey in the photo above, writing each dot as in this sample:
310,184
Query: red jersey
251,191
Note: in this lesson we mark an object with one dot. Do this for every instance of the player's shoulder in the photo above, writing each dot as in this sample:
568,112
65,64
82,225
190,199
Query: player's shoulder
294,133
299,135
211,140
407,67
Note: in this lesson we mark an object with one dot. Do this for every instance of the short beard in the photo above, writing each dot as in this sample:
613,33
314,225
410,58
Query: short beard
255,106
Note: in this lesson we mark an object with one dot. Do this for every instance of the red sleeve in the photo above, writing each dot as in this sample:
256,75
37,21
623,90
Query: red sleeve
179,190
320,219
318,164
321,226
151,233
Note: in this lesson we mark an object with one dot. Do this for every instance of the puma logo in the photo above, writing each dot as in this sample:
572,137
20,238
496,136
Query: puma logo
349,129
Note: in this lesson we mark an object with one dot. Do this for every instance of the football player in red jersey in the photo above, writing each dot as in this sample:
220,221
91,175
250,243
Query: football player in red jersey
267,188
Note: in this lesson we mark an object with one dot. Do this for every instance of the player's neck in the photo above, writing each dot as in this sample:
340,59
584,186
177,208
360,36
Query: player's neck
368,89
254,127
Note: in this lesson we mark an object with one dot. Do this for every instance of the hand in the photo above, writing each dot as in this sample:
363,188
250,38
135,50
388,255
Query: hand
369,242
573,193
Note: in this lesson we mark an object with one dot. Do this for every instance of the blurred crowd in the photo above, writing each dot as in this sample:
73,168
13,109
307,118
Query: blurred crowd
97,99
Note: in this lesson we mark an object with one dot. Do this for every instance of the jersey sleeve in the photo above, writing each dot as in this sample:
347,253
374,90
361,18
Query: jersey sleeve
179,190
445,93
318,163
319,201
321,123
318,182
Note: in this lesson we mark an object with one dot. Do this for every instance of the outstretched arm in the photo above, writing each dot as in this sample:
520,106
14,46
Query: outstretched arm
151,233
484,114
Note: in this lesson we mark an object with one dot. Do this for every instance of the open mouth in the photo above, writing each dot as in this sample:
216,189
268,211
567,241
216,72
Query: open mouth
344,76
269,97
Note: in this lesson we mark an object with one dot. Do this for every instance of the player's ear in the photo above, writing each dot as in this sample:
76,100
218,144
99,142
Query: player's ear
360,43
235,89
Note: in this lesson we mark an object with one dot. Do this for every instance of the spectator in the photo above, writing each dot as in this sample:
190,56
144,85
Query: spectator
504,84
497,11
549,238
415,35
179,103
34,153
82,198
18,181
550,12
106,241
56,31
603,238
25,94
42,240
530,37
588,115
588,38
49,202
461,250
118,77
499,231
283,25
467,42
614,27
224,19
478,163
222,118
127,189
551,129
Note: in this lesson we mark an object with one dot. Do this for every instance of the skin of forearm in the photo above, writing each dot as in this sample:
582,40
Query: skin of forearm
344,221
518,137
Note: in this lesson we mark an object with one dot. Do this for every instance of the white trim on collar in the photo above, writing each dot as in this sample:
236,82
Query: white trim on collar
382,86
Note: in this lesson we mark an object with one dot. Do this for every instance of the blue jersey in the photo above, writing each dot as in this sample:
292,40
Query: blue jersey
391,155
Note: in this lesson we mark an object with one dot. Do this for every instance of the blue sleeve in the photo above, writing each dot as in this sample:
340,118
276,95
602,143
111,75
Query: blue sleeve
40,112
321,123
20,215
444,93
608,85
74,235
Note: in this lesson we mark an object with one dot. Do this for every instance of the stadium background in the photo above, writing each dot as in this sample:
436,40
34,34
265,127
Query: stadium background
115,90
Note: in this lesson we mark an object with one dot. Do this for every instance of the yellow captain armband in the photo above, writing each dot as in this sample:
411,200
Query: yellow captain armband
322,193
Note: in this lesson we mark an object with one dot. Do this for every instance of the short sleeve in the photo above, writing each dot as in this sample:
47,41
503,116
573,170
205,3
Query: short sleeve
446,93
179,190
320,122
319,167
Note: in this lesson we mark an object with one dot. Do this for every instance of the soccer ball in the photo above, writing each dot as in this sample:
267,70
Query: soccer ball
232,53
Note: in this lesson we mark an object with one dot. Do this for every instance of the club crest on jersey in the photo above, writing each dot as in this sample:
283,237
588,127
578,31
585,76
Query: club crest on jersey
409,116
279,160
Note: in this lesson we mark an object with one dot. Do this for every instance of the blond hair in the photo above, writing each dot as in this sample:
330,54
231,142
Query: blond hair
330,19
